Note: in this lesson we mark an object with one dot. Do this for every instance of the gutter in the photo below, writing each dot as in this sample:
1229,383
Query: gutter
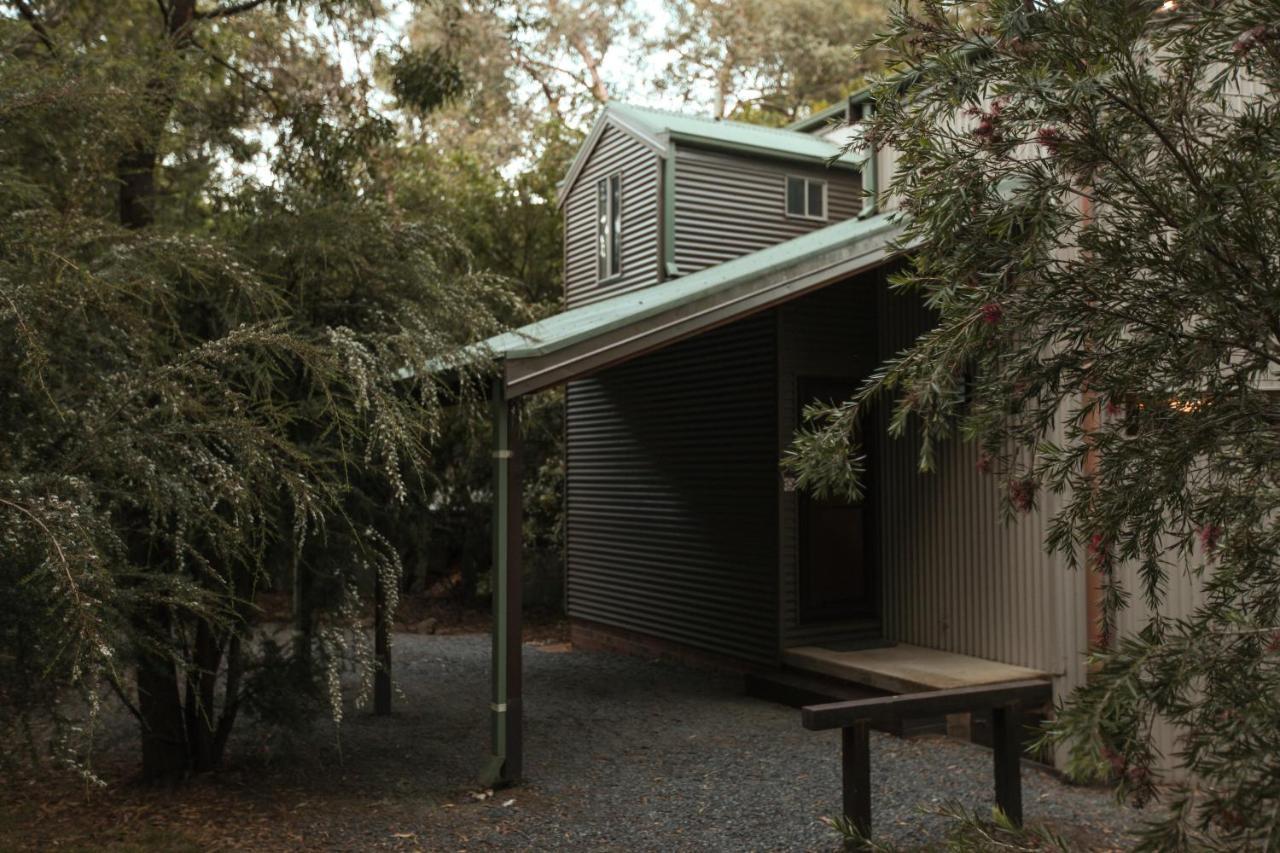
870,170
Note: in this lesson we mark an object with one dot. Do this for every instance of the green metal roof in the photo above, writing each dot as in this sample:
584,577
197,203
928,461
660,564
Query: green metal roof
821,118
659,129
733,134
575,341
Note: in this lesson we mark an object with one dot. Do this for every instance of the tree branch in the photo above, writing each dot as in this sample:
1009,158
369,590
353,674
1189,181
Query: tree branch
233,9
29,15
242,74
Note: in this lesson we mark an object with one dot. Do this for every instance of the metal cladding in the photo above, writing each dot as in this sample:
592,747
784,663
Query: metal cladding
830,333
957,576
615,153
672,493
728,205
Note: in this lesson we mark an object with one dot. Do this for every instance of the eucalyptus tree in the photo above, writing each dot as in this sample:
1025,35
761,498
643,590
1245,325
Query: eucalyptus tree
1095,188
203,343
768,61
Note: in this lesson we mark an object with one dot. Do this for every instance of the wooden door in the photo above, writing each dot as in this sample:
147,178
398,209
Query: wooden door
836,541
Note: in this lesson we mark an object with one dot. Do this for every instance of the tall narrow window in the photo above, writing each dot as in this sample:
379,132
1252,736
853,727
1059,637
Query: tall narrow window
806,198
609,227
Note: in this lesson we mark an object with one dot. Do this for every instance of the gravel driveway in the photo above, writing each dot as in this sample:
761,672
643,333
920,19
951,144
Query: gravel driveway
627,754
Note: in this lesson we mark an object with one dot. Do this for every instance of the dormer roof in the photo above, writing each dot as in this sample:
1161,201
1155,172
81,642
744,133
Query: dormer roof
659,129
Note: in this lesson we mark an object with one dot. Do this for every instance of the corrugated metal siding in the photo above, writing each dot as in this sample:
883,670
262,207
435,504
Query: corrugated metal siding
728,205
614,152
671,493
828,333
1183,595
956,576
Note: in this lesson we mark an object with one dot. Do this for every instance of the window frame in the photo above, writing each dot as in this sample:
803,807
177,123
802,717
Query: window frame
808,183
608,215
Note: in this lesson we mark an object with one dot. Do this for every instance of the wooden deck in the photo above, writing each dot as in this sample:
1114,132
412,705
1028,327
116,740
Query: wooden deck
904,668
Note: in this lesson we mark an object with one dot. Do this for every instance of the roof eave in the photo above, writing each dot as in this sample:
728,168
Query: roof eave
606,118
819,119
534,367
840,161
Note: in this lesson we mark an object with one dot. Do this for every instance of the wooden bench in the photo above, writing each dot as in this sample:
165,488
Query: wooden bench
854,719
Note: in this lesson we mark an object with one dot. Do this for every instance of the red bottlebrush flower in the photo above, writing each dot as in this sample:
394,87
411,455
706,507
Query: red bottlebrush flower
1115,759
1138,775
1113,408
1249,39
992,313
984,463
1051,138
1099,548
1209,535
1022,494
987,128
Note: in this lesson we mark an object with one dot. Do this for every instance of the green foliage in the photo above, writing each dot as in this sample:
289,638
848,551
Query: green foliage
426,80
769,61
512,229
967,832
1095,186
206,399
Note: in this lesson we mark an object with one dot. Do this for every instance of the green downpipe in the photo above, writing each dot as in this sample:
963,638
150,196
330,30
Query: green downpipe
493,772
870,174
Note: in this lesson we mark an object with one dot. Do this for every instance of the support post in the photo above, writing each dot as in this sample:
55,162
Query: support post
855,773
381,650
506,763
1006,736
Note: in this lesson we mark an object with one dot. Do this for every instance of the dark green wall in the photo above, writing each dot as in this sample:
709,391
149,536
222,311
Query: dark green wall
671,493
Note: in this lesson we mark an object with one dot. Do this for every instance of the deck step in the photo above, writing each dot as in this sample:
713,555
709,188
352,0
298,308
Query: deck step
797,688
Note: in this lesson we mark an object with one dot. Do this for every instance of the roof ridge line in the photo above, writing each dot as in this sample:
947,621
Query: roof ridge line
782,131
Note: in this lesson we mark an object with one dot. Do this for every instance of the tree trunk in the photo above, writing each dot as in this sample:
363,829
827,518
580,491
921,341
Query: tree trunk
164,743
231,704
381,650
201,715
137,175
136,170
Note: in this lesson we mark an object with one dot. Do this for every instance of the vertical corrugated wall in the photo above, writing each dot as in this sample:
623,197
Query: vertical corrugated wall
615,152
957,577
831,333
671,493
1182,596
728,205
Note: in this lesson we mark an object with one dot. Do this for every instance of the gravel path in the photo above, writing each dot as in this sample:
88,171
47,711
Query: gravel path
620,753
626,754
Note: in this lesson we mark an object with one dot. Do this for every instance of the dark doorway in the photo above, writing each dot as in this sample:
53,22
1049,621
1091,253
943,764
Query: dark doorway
837,541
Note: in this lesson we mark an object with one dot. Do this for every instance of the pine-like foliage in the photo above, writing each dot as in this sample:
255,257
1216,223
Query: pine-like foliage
1095,188
208,397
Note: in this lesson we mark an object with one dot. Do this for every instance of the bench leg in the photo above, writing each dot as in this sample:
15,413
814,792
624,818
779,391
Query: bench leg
1006,735
855,772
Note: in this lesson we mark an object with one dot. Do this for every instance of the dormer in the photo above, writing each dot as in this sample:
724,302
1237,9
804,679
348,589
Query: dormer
653,195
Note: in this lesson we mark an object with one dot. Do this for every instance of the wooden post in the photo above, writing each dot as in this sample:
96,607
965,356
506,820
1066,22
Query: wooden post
506,713
381,650
1006,736
855,773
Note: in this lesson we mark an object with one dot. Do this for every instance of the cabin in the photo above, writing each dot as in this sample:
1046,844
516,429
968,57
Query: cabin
719,277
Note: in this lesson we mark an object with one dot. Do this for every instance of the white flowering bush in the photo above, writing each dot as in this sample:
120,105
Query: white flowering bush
203,401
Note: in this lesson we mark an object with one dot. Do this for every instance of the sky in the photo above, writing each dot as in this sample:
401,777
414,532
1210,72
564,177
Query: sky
620,65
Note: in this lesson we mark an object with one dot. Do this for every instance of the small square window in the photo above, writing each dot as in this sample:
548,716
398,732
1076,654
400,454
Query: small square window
806,198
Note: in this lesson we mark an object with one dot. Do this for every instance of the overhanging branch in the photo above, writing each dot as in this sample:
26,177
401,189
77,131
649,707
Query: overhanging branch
233,9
